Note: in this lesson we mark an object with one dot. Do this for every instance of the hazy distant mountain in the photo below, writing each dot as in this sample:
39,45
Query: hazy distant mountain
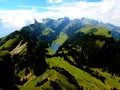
115,30
61,54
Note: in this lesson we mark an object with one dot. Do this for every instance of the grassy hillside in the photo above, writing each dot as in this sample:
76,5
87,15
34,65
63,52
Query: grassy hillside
66,76
96,30
61,38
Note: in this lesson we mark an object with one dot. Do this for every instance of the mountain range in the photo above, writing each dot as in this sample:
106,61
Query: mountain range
61,54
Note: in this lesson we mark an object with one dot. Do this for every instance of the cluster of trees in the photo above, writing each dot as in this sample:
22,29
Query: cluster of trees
92,50
70,78
55,85
94,73
32,60
6,71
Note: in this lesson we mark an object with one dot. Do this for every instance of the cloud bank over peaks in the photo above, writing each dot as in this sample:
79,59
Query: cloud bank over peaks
16,18
104,10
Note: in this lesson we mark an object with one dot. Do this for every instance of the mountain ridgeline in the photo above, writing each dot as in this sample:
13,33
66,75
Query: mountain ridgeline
61,54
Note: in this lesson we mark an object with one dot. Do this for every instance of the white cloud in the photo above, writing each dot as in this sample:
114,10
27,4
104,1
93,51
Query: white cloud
50,1
16,18
107,5
54,1
106,10
58,1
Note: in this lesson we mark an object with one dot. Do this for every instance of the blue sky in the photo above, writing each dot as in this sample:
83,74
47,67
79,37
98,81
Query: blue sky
14,14
17,4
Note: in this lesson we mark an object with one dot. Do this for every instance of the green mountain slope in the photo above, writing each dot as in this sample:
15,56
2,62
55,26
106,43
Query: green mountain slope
60,54
93,46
